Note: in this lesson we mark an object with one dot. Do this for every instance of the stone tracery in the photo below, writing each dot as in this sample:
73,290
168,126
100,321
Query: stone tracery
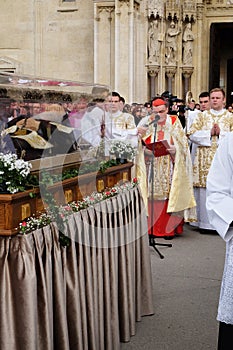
156,8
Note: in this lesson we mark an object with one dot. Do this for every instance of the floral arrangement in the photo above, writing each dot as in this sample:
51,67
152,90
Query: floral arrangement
122,150
33,223
14,173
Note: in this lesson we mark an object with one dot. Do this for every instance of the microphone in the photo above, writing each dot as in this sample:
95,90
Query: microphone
155,121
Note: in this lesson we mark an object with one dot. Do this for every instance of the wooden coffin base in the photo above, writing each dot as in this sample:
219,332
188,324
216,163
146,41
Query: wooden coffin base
16,207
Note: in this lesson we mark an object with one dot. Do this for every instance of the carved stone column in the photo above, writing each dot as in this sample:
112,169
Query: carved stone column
199,46
187,72
153,73
170,73
38,37
125,12
103,27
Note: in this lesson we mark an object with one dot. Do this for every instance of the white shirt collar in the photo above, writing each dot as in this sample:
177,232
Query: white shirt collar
213,111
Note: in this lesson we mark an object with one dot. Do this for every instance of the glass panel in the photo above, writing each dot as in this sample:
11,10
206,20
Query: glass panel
42,117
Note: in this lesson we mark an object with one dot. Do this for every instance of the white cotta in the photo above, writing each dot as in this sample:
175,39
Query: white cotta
219,206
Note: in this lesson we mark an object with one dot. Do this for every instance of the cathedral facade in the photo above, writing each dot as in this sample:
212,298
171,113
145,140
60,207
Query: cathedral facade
139,48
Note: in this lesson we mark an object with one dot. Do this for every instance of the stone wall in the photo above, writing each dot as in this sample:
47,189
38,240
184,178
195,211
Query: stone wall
108,42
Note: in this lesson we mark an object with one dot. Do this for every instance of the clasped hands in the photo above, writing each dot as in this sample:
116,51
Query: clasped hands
215,131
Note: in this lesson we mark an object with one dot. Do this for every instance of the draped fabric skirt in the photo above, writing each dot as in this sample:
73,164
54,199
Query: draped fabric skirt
87,296
161,223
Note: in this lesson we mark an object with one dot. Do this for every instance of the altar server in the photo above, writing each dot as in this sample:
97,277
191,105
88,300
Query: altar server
207,130
219,206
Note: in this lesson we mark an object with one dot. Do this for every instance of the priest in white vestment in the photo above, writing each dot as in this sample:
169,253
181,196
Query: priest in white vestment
207,131
107,122
219,204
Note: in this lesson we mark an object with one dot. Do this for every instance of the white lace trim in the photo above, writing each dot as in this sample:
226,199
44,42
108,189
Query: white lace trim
225,308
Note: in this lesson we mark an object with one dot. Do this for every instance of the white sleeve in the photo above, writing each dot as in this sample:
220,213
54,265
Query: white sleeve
128,135
191,115
201,137
219,201
90,126
199,132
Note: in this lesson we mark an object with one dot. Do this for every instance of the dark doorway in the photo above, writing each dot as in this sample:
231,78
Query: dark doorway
214,73
229,81
221,57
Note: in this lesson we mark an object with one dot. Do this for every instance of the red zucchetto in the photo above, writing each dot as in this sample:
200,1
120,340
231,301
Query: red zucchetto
158,102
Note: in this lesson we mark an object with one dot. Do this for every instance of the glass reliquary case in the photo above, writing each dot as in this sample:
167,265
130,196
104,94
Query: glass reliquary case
41,118
41,125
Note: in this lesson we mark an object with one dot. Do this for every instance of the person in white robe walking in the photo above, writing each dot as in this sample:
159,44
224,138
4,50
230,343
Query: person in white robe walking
219,204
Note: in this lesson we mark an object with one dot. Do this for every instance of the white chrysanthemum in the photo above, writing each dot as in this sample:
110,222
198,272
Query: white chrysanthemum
13,171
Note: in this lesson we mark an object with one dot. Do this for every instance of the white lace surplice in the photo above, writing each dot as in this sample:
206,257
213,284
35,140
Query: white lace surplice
219,207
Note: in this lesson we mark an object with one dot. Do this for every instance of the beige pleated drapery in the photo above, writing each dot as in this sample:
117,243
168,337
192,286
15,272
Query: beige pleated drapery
85,296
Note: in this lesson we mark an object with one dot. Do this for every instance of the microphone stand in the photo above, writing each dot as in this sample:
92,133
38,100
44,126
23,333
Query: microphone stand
152,241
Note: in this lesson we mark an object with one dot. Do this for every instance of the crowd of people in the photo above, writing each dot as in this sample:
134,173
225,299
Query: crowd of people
184,155
192,130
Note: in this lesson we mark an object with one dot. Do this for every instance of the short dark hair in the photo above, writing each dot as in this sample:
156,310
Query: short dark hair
204,94
122,99
114,93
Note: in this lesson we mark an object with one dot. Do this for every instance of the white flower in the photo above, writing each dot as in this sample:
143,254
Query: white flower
122,149
13,172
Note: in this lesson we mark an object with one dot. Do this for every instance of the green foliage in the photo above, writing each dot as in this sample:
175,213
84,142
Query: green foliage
61,213
50,179
103,166
54,210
